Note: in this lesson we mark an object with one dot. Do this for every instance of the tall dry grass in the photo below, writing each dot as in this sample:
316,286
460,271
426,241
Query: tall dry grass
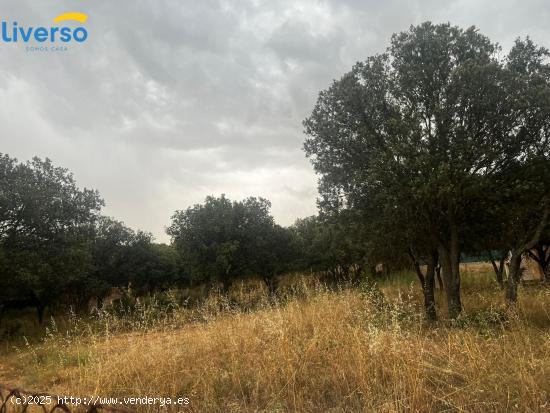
313,350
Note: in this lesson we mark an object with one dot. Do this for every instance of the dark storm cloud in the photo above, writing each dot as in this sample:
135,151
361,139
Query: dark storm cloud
170,100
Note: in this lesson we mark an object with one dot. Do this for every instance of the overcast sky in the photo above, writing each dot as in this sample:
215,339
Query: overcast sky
169,100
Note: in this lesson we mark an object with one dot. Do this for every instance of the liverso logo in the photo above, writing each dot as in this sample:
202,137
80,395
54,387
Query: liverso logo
59,36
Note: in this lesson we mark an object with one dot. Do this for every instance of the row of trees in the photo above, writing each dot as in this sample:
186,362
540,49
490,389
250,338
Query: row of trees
437,148
442,147
56,249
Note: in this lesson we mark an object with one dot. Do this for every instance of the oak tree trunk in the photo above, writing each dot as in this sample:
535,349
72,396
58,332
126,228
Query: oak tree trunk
439,279
427,283
450,266
498,268
271,284
514,278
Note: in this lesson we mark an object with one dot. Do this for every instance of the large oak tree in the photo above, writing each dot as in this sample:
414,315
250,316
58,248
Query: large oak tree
422,131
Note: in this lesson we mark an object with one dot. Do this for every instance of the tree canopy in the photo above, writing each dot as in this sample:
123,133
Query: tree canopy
222,240
424,131
45,226
438,147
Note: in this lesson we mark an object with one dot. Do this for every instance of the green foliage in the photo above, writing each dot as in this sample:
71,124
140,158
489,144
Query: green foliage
222,240
45,228
484,320
56,249
438,147
122,257
418,140
334,244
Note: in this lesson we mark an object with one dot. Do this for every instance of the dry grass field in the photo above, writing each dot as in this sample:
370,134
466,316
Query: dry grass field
313,350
